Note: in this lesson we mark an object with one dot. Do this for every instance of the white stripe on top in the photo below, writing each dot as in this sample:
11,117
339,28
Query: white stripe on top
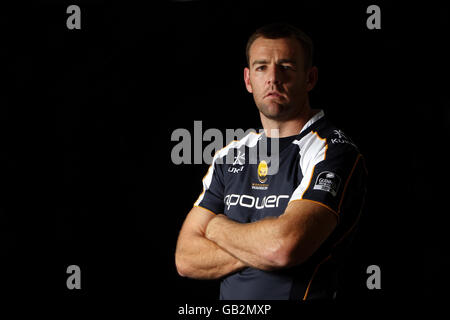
250,140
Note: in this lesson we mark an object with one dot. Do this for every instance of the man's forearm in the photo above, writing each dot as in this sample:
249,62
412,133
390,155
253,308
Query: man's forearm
201,258
252,243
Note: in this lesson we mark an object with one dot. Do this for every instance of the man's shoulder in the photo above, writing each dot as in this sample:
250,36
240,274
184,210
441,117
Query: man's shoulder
325,141
236,147
335,137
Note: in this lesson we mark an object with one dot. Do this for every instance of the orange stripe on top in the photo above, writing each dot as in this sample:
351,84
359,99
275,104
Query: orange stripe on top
335,244
206,210
348,180
312,277
353,226
347,233
344,236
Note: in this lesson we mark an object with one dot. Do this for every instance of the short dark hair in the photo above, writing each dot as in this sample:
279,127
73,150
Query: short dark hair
283,30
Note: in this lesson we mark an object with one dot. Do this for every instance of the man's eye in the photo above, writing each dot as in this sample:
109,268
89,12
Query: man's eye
285,67
260,68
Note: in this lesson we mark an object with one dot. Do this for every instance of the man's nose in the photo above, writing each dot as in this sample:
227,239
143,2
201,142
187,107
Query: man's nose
274,75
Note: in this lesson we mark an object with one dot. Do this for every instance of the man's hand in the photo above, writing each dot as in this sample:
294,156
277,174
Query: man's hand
197,257
214,226
234,238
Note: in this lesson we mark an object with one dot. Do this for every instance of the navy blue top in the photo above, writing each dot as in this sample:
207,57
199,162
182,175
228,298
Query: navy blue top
246,183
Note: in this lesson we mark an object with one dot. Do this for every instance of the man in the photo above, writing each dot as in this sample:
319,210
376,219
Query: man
277,235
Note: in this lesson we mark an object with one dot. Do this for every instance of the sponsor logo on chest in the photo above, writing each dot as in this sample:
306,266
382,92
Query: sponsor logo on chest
244,200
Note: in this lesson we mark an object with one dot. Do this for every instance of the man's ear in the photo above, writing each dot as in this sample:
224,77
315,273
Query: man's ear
311,78
247,80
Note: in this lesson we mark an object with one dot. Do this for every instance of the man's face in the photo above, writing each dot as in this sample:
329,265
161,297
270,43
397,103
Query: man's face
277,77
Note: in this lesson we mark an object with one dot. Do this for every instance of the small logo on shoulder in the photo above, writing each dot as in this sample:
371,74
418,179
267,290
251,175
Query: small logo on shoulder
341,138
239,161
328,181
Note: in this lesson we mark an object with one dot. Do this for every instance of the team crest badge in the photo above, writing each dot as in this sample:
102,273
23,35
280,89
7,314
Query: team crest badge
263,169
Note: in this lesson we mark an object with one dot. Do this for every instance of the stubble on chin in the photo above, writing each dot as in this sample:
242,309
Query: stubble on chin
275,111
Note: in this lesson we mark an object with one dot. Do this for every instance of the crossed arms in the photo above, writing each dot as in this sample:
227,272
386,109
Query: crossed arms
211,246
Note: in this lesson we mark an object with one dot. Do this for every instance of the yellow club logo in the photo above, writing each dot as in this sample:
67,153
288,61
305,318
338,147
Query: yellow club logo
263,168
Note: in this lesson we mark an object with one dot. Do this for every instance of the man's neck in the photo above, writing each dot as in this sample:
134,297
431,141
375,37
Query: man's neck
288,127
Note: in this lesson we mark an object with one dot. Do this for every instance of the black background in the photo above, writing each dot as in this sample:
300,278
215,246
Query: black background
87,117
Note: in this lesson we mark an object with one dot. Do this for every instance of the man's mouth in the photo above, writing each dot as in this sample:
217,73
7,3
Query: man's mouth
274,94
